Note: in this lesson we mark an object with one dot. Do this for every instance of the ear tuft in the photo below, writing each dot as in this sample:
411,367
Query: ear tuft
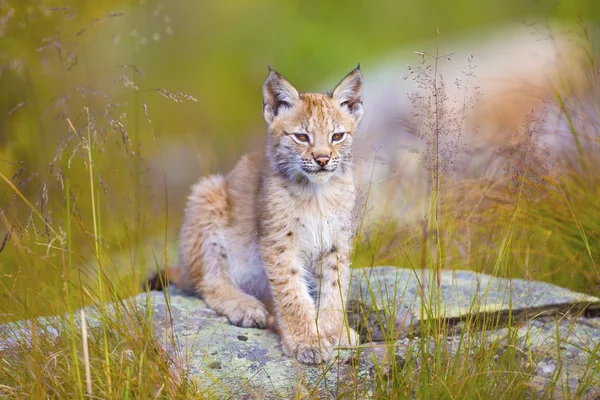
278,93
349,93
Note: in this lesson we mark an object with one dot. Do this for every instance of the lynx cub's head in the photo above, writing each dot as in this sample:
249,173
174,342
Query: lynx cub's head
311,135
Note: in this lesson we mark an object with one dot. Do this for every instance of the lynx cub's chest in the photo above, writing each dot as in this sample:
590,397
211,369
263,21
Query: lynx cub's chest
324,224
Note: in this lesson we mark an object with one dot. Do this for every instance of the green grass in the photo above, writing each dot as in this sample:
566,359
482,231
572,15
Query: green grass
83,226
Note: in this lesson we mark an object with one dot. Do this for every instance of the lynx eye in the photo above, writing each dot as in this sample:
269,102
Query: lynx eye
301,137
338,137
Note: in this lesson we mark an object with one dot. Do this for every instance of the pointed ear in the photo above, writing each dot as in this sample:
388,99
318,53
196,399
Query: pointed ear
349,93
278,93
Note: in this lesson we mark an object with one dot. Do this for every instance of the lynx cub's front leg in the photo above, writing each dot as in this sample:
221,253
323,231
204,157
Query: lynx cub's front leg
308,191
333,273
295,310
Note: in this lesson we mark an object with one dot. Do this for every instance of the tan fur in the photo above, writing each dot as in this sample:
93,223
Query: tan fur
279,225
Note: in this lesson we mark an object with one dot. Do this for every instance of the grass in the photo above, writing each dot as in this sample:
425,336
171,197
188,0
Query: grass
78,222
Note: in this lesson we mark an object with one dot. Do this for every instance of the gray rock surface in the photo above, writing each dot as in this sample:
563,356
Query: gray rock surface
556,331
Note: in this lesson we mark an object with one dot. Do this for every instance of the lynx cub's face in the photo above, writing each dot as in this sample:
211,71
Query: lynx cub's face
311,135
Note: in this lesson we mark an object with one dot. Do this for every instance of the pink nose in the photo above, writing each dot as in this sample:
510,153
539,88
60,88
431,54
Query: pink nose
322,160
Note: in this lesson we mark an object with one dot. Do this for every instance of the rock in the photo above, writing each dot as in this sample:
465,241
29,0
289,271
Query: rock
462,295
553,332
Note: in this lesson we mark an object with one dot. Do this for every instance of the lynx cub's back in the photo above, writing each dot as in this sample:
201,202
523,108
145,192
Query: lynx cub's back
275,233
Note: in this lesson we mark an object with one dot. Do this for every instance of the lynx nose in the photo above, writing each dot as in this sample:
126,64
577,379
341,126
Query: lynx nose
321,159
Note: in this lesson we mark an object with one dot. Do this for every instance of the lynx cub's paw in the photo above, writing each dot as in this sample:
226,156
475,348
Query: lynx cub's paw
340,335
347,337
250,313
311,351
335,331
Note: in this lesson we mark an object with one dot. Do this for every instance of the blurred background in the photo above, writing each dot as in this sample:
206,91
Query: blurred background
109,110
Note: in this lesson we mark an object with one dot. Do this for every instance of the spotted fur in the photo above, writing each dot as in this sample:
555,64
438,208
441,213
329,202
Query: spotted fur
274,235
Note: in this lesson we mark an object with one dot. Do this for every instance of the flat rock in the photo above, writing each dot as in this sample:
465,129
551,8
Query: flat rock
555,329
408,297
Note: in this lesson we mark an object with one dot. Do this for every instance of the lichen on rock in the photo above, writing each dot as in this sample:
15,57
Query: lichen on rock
395,310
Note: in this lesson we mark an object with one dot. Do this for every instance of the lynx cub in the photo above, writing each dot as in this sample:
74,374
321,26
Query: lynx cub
275,233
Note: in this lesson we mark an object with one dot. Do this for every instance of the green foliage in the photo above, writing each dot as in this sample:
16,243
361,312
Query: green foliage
95,142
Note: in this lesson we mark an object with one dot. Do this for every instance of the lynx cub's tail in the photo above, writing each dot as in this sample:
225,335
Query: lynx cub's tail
160,280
